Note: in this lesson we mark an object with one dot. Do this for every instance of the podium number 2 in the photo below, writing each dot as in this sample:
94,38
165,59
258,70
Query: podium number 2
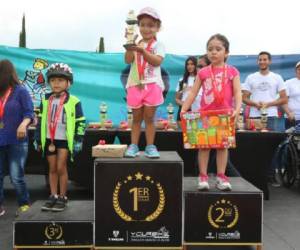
219,218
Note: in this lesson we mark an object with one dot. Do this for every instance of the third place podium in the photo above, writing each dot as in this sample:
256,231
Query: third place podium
138,202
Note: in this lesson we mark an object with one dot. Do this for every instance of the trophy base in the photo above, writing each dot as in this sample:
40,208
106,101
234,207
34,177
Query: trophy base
131,21
129,45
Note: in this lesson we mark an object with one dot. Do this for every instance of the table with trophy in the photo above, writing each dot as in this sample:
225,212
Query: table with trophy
252,156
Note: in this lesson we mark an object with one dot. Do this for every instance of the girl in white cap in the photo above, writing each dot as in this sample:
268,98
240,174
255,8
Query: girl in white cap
145,85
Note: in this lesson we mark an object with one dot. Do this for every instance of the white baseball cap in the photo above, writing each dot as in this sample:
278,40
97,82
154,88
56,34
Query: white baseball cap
149,12
297,64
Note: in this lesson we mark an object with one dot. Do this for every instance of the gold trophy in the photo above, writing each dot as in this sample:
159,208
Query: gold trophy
131,34
240,121
103,115
171,122
263,119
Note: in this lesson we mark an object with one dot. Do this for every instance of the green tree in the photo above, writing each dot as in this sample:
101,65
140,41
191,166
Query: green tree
101,45
22,37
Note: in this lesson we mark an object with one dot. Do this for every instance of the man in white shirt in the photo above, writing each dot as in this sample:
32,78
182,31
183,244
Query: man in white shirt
265,90
292,109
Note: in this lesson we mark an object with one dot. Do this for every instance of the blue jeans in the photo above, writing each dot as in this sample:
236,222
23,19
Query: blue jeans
276,124
14,157
289,123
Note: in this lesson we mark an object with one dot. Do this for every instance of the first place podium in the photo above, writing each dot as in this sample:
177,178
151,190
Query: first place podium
138,202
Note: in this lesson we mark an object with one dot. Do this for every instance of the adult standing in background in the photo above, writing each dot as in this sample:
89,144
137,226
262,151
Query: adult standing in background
292,108
202,61
265,90
16,113
186,83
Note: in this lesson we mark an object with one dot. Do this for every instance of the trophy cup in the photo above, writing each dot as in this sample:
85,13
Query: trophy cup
240,121
103,115
263,119
36,111
130,35
129,118
171,121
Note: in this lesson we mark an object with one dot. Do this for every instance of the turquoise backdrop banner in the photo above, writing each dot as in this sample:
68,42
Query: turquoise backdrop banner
102,77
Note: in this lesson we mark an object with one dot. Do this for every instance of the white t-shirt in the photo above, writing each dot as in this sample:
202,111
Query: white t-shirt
152,74
186,91
264,88
293,92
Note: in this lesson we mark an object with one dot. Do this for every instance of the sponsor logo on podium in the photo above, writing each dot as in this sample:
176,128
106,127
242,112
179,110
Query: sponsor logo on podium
143,198
223,236
116,236
161,235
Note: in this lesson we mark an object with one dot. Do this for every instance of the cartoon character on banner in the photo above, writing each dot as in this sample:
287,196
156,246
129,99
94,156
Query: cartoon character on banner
35,82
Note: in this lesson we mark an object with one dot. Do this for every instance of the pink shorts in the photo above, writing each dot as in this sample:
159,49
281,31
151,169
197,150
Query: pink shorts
150,95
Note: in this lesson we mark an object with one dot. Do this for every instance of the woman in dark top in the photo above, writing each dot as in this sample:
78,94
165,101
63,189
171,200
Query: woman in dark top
16,113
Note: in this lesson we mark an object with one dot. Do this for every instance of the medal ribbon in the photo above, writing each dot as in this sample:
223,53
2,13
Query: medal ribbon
3,102
219,95
52,125
141,66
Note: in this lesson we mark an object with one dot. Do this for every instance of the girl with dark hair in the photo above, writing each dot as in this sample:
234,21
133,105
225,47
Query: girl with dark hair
221,90
185,84
16,113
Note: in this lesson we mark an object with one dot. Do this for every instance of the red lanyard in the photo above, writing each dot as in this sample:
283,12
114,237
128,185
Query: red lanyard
52,125
141,66
3,102
218,94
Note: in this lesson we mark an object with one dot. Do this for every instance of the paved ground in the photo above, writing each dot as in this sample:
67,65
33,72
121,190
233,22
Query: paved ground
281,215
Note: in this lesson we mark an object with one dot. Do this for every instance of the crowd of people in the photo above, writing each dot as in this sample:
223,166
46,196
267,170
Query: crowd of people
208,83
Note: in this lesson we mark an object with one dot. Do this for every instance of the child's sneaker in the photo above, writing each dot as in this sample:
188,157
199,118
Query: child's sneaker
61,204
151,151
22,209
132,151
2,211
203,182
48,205
223,182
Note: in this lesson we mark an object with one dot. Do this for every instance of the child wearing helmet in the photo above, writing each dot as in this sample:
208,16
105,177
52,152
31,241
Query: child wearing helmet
59,132
145,85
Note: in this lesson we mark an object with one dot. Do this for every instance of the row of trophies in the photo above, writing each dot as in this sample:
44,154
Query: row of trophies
170,123
253,124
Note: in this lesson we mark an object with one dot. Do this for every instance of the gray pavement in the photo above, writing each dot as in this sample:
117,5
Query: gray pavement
281,225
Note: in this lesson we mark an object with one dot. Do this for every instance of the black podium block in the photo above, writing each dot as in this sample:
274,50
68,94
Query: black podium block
138,202
70,228
222,218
